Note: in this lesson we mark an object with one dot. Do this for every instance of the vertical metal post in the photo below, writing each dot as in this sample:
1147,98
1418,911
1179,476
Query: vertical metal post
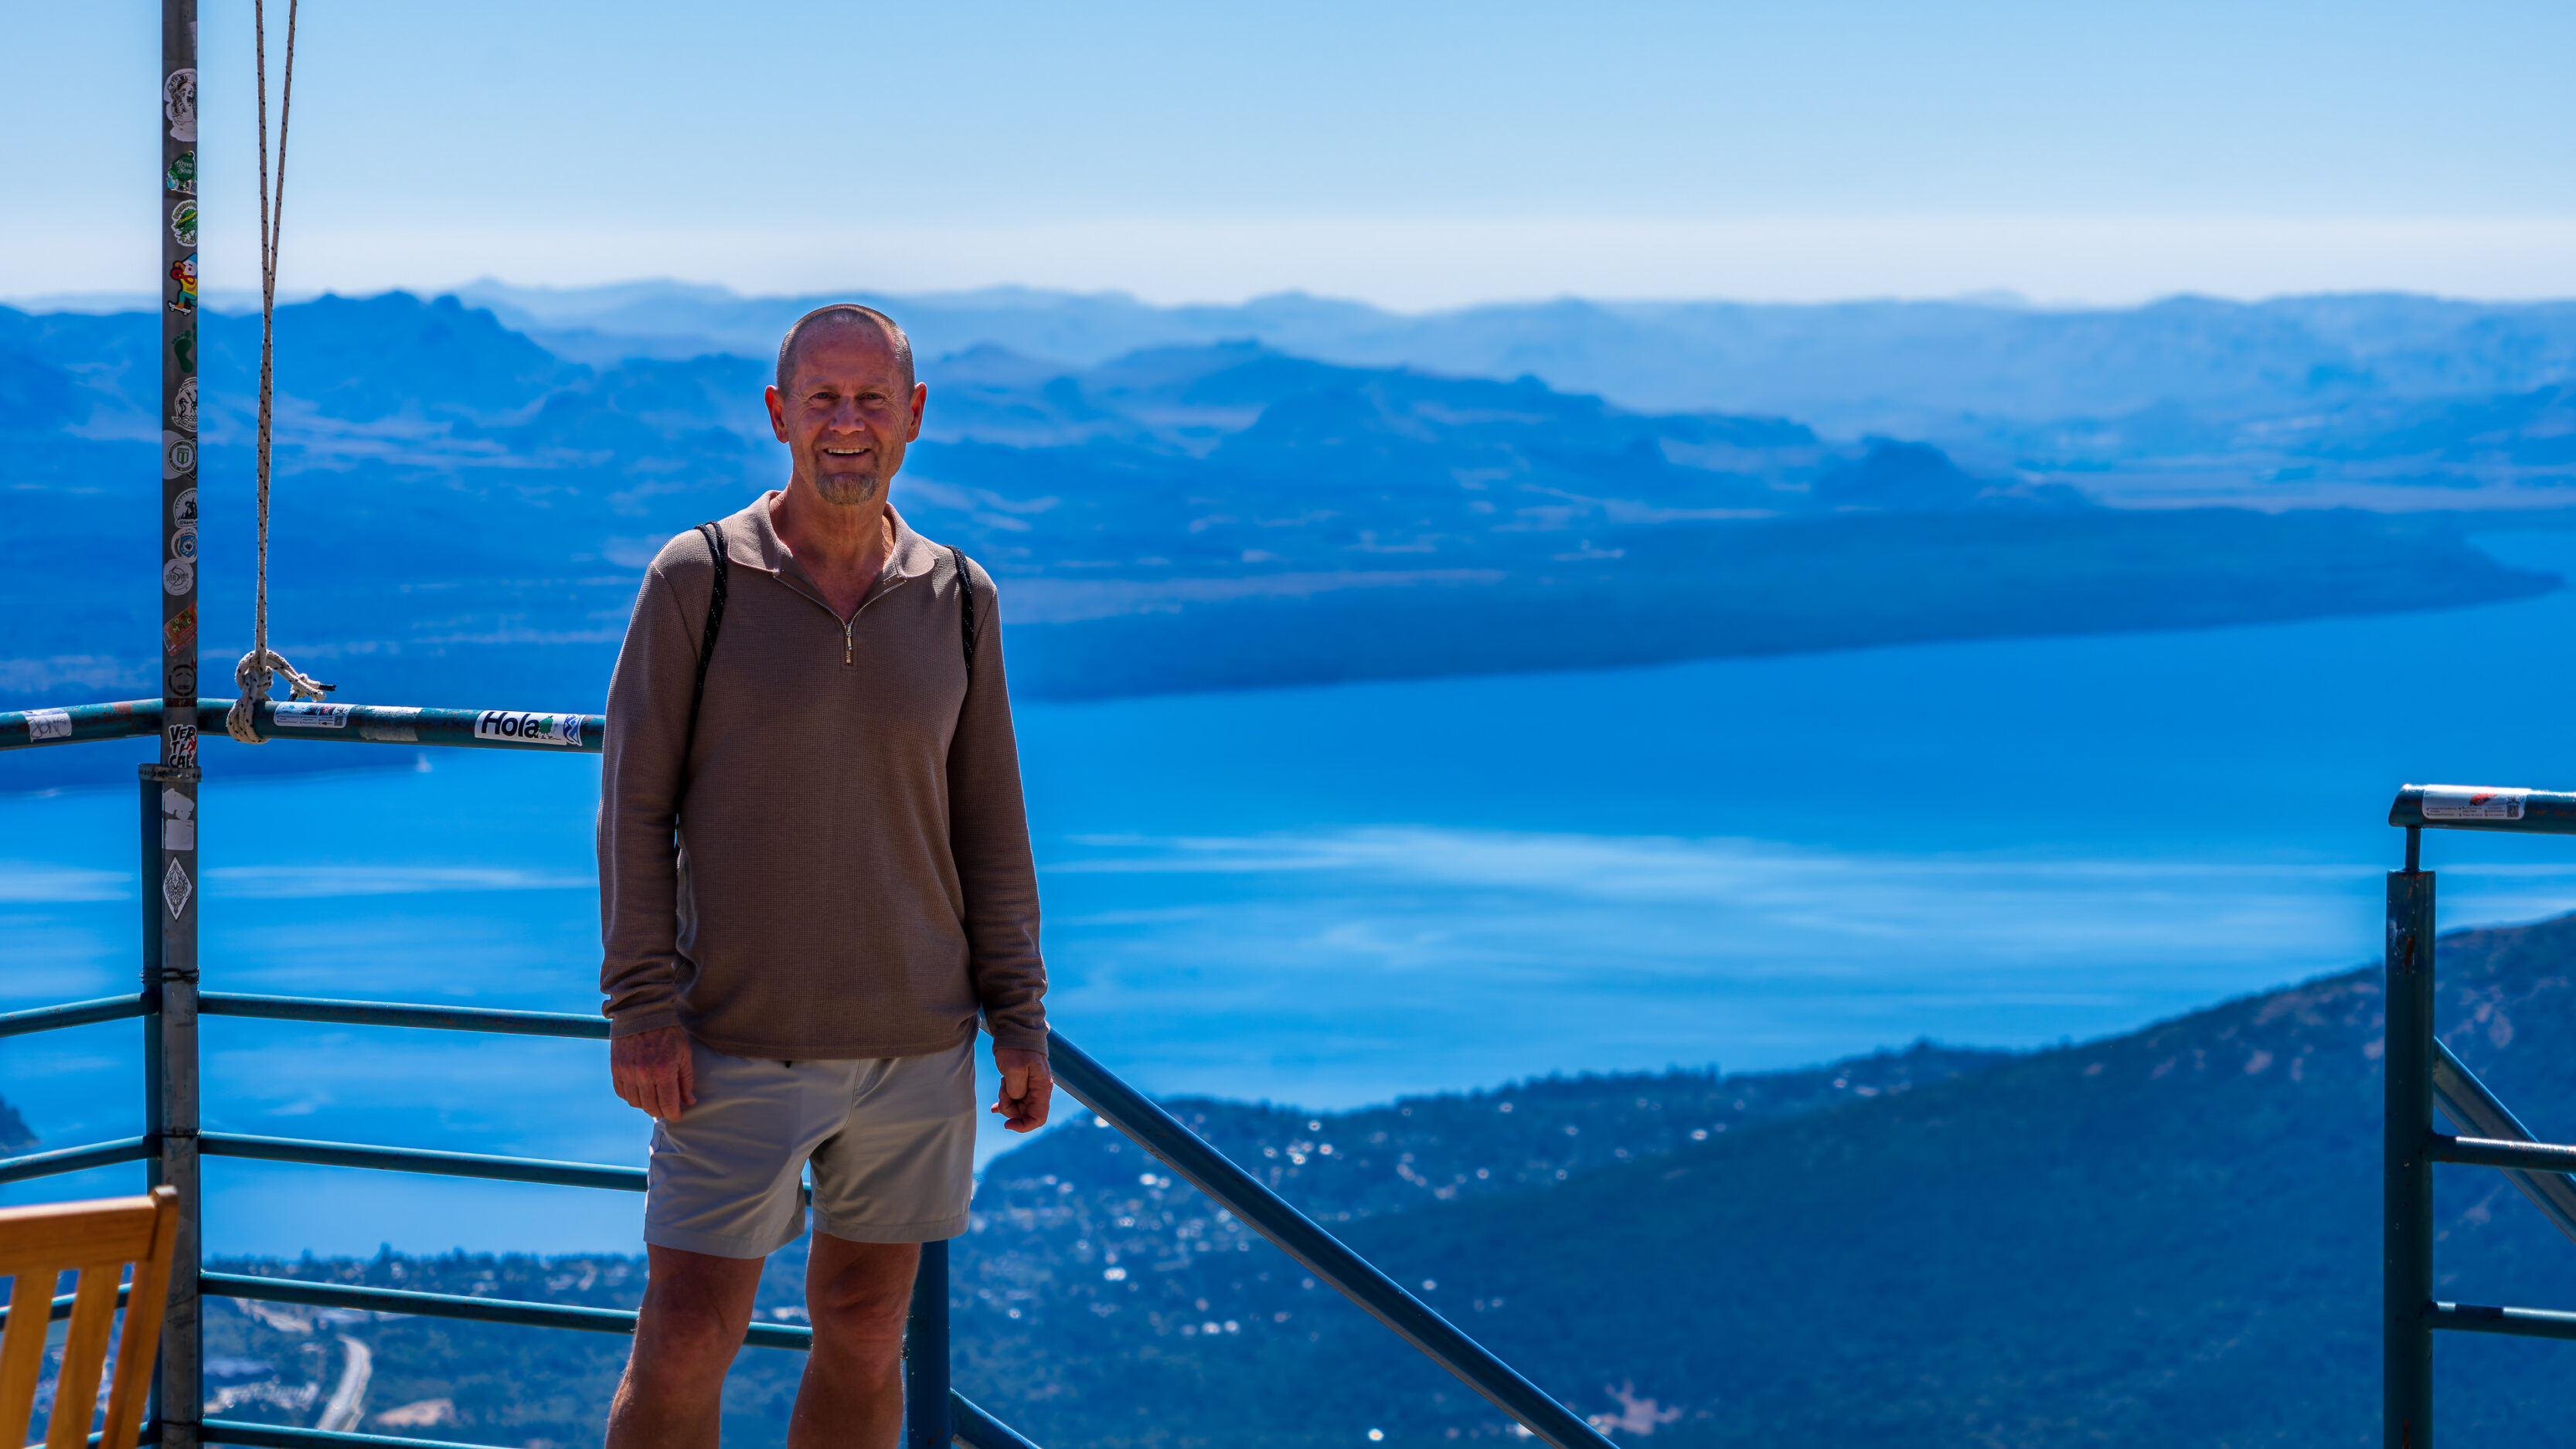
170,891
925,1354
2407,1260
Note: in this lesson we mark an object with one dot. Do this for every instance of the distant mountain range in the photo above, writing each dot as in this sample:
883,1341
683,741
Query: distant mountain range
2189,392
2167,1237
461,511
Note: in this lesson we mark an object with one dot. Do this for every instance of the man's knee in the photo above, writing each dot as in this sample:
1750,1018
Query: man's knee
866,1293
695,1310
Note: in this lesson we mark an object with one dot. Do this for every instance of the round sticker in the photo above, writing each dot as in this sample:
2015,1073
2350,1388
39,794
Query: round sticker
183,456
181,679
183,544
183,509
183,223
178,576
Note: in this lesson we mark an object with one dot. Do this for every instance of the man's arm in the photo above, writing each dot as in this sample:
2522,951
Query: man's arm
639,784
989,840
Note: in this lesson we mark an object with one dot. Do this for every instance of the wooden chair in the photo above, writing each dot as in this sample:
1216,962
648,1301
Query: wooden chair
96,1239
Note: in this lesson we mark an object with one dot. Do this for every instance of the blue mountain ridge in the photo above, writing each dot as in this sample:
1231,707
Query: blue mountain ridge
460,514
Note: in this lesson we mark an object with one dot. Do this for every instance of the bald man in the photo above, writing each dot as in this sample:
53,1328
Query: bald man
815,884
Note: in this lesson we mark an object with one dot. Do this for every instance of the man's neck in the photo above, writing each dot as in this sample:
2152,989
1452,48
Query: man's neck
842,546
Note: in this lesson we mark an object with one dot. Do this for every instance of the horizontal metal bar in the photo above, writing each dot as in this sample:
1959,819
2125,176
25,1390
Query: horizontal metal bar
355,724
986,1432
62,1307
75,1159
2515,811
969,1425
79,724
1207,1169
2517,1322
287,1436
76,1013
413,1159
454,1305
386,1013
2468,1102
2492,1152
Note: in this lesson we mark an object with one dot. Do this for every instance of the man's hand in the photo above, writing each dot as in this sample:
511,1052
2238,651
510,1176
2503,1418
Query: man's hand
1027,1088
651,1072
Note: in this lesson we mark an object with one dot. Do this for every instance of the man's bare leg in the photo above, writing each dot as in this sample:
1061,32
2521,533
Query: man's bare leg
696,1308
857,1294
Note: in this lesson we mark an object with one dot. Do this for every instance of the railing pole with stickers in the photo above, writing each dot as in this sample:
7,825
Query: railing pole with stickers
2421,1075
169,788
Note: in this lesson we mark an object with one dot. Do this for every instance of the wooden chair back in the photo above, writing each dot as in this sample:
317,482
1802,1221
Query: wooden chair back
96,1240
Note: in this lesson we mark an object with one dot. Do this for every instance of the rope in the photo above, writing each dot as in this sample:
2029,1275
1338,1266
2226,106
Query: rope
254,673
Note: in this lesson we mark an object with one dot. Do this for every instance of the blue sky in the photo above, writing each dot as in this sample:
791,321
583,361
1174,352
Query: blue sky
1417,155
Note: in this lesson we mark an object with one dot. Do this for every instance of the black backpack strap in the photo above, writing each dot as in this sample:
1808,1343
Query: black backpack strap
714,536
965,609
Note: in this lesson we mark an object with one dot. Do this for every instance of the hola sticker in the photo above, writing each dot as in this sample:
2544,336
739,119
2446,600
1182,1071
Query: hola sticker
178,455
178,821
2472,802
183,744
182,175
183,281
183,222
183,403
183,509
528,729
179,631
303,715
179,107
174,888
178,576
183,543
48,724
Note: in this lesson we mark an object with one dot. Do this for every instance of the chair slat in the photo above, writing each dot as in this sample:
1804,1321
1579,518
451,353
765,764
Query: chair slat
75,1235
140,1349
22,1352
84,1354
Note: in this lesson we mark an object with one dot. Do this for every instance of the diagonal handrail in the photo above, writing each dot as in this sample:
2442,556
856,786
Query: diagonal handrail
1324,1255
2468,1102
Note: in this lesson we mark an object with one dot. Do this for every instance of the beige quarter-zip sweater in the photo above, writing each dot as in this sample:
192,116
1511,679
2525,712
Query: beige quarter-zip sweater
841,866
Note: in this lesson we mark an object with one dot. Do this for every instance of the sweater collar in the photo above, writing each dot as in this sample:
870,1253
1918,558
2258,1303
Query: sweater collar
751,539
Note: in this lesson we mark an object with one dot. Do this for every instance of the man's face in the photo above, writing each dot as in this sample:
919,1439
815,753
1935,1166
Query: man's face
847,416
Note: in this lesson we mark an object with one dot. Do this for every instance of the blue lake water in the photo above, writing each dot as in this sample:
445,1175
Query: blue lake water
1331,896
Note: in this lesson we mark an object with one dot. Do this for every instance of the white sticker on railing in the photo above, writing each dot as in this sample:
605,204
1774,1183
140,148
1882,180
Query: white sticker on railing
2472,802
532,729
49,724
304,716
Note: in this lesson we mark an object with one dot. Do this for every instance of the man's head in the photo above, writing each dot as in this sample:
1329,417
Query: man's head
845,402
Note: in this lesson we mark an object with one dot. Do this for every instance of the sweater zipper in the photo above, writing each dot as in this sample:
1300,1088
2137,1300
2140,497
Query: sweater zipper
847,625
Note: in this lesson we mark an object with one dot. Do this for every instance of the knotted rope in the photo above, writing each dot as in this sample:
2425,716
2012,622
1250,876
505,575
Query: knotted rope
259,667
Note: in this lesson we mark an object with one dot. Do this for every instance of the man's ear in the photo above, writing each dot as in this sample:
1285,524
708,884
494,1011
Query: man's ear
777,411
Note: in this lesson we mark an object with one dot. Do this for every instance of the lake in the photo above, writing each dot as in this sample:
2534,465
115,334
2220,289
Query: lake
1332,896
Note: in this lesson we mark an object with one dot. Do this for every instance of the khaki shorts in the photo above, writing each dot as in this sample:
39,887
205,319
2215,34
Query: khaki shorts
892,1141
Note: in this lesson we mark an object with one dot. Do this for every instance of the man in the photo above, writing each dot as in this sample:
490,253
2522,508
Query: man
814,879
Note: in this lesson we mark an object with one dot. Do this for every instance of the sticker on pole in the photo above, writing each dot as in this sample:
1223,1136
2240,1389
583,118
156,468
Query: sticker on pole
2472,802
528,729
175,886
303,716
48,724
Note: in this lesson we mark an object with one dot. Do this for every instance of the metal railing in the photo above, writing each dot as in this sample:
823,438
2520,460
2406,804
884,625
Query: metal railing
174,1143
2423,1074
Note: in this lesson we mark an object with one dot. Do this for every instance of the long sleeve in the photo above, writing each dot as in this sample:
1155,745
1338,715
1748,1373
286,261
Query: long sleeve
989,840
648,717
